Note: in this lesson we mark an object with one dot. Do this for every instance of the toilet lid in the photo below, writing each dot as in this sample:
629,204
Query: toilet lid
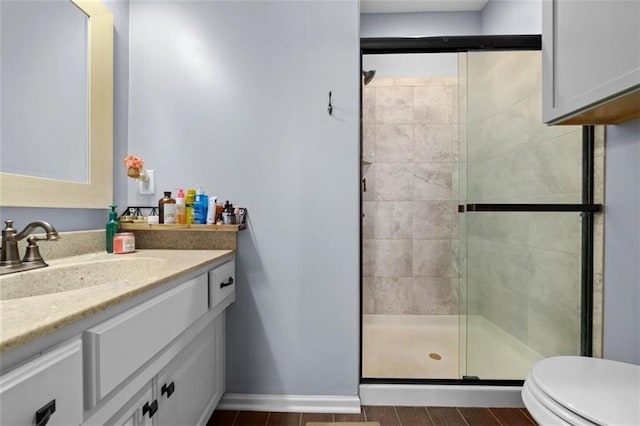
603,391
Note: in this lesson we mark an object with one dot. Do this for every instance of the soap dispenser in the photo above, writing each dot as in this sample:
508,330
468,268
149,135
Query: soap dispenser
112,228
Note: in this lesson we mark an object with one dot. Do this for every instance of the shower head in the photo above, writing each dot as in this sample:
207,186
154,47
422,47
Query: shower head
368,76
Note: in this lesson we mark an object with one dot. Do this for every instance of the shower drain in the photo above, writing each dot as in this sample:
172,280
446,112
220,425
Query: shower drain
435,356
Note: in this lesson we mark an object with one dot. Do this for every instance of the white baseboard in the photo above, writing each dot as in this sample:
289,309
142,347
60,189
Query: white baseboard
441,395
290,403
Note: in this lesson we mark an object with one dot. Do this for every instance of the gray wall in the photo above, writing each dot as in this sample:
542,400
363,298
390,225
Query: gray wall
497,17
511,17
244,113
419,24
82,219
622,244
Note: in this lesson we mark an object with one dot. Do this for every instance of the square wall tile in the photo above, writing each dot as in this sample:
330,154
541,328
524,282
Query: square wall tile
394,143
435,219
434,258
435,143
435,296
392,182
387,258
394,105
434,181
388,219
436,104
393,296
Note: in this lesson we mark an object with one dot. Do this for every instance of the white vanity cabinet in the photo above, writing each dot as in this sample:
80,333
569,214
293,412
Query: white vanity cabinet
46,390
159,361
591,61
162,362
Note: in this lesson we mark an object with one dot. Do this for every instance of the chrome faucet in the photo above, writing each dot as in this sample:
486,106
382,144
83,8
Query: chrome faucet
10,258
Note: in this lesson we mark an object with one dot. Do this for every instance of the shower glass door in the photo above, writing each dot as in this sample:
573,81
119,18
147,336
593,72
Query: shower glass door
520,263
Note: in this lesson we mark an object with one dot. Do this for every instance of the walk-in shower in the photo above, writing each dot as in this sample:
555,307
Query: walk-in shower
475,217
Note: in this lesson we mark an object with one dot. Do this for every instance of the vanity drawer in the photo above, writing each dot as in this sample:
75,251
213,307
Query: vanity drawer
51,380
118,347
223,283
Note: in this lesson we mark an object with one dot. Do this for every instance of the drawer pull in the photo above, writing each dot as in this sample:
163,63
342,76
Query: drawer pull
168,389
228,283
151,409
44,414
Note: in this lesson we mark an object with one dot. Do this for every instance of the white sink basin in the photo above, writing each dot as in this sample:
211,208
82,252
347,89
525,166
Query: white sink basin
74,276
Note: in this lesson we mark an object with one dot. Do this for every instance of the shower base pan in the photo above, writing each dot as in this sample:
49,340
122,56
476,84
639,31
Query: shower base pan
441,347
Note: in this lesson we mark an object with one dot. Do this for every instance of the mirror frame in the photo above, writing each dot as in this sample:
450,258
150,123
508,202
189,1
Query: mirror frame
27,191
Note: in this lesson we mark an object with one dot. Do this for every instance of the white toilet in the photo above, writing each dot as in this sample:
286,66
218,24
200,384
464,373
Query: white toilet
573,390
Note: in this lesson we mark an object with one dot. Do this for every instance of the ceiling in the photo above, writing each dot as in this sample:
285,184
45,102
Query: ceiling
408,6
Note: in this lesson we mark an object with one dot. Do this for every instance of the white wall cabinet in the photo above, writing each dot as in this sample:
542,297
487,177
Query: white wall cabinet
46,390
158,363
591,61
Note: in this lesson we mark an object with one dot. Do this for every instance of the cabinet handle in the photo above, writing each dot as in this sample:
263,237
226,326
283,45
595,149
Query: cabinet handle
151,409
44,414
168,389
228,283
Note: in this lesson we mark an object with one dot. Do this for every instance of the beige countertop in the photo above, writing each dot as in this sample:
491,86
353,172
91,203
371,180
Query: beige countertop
24,319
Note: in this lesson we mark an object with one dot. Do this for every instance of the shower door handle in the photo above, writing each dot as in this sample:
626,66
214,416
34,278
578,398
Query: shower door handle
364,185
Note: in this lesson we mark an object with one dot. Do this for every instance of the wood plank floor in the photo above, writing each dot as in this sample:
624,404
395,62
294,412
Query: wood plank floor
386,416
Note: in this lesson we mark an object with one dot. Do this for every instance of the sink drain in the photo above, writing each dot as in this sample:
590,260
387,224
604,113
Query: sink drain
435,356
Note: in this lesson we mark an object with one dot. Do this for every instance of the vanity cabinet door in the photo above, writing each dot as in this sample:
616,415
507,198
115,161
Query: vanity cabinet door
50,387
134,414
189,385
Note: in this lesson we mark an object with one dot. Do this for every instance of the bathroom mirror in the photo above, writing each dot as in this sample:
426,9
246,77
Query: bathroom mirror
83,145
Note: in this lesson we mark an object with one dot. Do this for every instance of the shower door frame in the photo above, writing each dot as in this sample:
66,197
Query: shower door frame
460,44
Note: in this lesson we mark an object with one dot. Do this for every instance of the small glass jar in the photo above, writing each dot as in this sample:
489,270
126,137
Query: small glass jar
124,242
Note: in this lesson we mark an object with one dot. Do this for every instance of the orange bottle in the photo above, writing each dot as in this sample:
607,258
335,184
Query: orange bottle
181,213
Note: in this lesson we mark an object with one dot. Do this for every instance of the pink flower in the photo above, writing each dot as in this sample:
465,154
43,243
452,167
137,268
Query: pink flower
133,161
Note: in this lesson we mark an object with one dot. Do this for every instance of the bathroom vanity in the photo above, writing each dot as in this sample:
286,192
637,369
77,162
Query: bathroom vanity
119,351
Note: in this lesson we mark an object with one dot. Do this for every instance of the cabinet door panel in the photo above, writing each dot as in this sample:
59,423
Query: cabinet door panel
591,53
118,347
189,382
54,376
131,414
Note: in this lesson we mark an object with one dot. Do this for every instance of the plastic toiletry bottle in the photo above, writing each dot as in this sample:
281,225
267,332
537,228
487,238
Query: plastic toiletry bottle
167,208
111,228
200,207
181,214
211,211
219,210
189,202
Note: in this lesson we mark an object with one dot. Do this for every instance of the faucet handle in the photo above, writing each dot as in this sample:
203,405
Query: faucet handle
32,253
8,225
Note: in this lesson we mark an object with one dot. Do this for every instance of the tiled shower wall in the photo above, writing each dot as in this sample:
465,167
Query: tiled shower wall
410,236
523,268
